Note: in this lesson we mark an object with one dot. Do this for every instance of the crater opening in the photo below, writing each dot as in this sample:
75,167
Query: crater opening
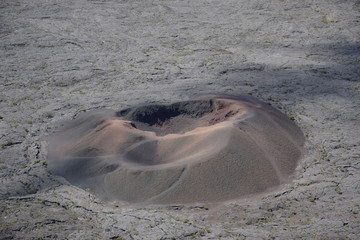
177,117
210,149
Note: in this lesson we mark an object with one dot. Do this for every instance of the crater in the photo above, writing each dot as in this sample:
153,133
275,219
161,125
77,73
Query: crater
211,149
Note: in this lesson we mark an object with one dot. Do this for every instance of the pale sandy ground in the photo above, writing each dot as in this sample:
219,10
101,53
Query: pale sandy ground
59,58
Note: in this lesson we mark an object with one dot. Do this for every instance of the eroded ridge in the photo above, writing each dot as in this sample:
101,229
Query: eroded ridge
212,149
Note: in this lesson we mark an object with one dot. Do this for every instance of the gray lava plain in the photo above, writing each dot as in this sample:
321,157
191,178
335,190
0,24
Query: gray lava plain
60,59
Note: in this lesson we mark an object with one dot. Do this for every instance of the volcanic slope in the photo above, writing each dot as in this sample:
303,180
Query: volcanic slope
211,149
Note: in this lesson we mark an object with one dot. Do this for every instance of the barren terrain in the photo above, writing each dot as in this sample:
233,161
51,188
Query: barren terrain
61,58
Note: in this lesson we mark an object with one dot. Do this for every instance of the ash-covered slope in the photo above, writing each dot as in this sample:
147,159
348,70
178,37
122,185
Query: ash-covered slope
208,150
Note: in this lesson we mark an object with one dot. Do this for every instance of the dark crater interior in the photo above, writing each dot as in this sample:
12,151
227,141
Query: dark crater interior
178,117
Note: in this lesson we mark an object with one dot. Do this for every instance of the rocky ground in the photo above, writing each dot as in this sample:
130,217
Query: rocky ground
59,58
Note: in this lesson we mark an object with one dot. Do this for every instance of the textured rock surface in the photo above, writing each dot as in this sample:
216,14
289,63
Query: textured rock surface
60,58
